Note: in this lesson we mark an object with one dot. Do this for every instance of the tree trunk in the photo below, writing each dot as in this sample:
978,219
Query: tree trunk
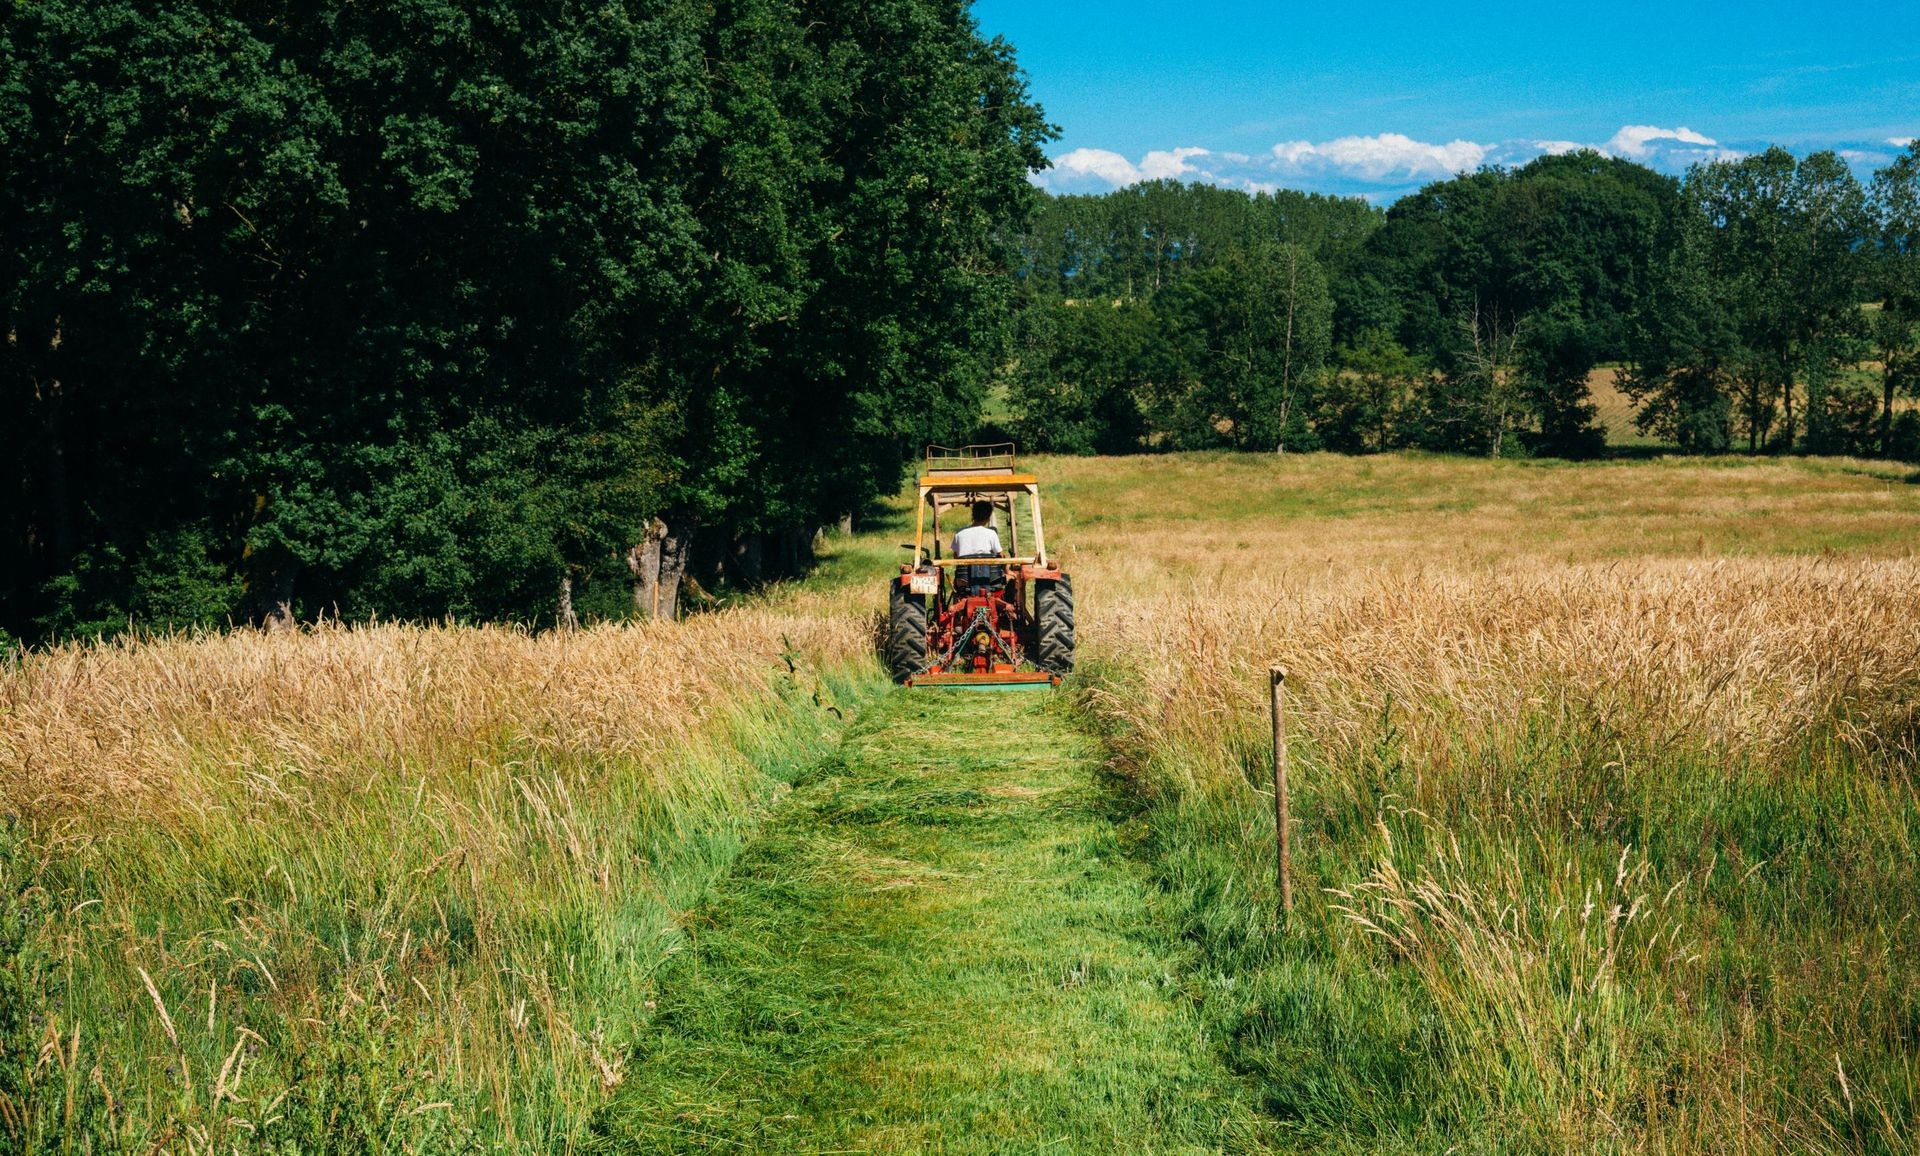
1286,360
793,546
746,559
786,554
1786,396
563,616
643,562
1886,405
676,548
275,603
59,492
1750,400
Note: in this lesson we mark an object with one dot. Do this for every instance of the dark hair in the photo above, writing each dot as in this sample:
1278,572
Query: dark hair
982,512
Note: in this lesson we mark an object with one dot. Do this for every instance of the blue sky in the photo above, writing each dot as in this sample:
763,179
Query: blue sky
1378,99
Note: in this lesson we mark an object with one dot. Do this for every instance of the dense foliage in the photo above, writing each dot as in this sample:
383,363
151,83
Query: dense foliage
1767,302
428,309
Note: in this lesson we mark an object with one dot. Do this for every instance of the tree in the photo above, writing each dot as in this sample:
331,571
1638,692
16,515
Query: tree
1555,356
1681,345
1783,238
1476,405
1559,253
1250,336
1833,224
1895,206
1133,242
1083,369
435,308
872,160
1896,341
1365,406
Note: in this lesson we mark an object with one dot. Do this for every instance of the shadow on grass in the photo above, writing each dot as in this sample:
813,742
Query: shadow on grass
1638,453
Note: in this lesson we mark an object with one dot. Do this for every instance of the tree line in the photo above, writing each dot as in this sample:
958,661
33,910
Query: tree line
489,309
1765,303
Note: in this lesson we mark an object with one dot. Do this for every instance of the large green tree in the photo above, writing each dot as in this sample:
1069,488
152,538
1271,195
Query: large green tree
433,308
1366,402
1783,243
1540,269
331,303
1896,329
1249,337
1682,348
1082,375
1132,243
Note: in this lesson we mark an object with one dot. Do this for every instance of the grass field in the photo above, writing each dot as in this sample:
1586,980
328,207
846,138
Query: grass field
939,945
1606,836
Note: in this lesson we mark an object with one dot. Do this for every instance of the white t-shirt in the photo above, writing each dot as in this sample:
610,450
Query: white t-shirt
977,541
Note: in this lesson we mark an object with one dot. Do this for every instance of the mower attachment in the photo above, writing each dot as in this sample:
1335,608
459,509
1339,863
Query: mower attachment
1021,680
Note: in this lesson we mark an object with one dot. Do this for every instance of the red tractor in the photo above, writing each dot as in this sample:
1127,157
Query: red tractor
987,620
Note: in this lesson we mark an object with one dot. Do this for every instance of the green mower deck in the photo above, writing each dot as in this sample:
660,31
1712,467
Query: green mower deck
1025,681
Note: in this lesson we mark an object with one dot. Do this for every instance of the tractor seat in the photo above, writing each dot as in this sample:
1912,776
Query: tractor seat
982,579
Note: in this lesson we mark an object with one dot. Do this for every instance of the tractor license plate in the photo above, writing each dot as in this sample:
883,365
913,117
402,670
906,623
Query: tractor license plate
923,584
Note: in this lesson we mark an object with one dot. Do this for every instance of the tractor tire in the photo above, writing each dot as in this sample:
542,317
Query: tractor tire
1053,611
906,634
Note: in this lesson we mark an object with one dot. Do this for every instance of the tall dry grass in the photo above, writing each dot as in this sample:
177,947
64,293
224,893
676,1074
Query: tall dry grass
388,887
1734,657
107,731
1604,782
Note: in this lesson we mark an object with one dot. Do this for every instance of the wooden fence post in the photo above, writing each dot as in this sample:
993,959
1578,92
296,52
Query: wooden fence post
1282,829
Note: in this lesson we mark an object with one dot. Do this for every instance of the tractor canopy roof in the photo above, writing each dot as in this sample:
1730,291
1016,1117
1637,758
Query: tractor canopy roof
953,475
958,478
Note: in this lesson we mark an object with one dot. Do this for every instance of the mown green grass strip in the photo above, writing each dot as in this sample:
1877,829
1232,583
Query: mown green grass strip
940,945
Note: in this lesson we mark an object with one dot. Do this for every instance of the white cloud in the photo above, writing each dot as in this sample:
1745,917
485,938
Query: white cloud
1633,139
1087,168
1390,155
1107,166
1159,166
1899,142
1382,166
1293,152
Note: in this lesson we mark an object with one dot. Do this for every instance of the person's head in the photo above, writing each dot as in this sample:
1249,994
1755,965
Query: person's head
982,513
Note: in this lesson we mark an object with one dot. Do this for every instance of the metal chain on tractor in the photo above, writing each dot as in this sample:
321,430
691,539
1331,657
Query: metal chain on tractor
979,623
959,636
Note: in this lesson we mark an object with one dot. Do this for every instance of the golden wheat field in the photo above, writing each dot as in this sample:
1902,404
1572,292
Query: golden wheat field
1604,784
123,729
1733,605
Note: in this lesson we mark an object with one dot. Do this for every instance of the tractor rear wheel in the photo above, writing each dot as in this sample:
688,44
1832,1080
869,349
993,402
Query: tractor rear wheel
906,634
1053,612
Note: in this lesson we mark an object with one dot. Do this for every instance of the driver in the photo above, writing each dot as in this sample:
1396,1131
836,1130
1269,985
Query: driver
979,540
